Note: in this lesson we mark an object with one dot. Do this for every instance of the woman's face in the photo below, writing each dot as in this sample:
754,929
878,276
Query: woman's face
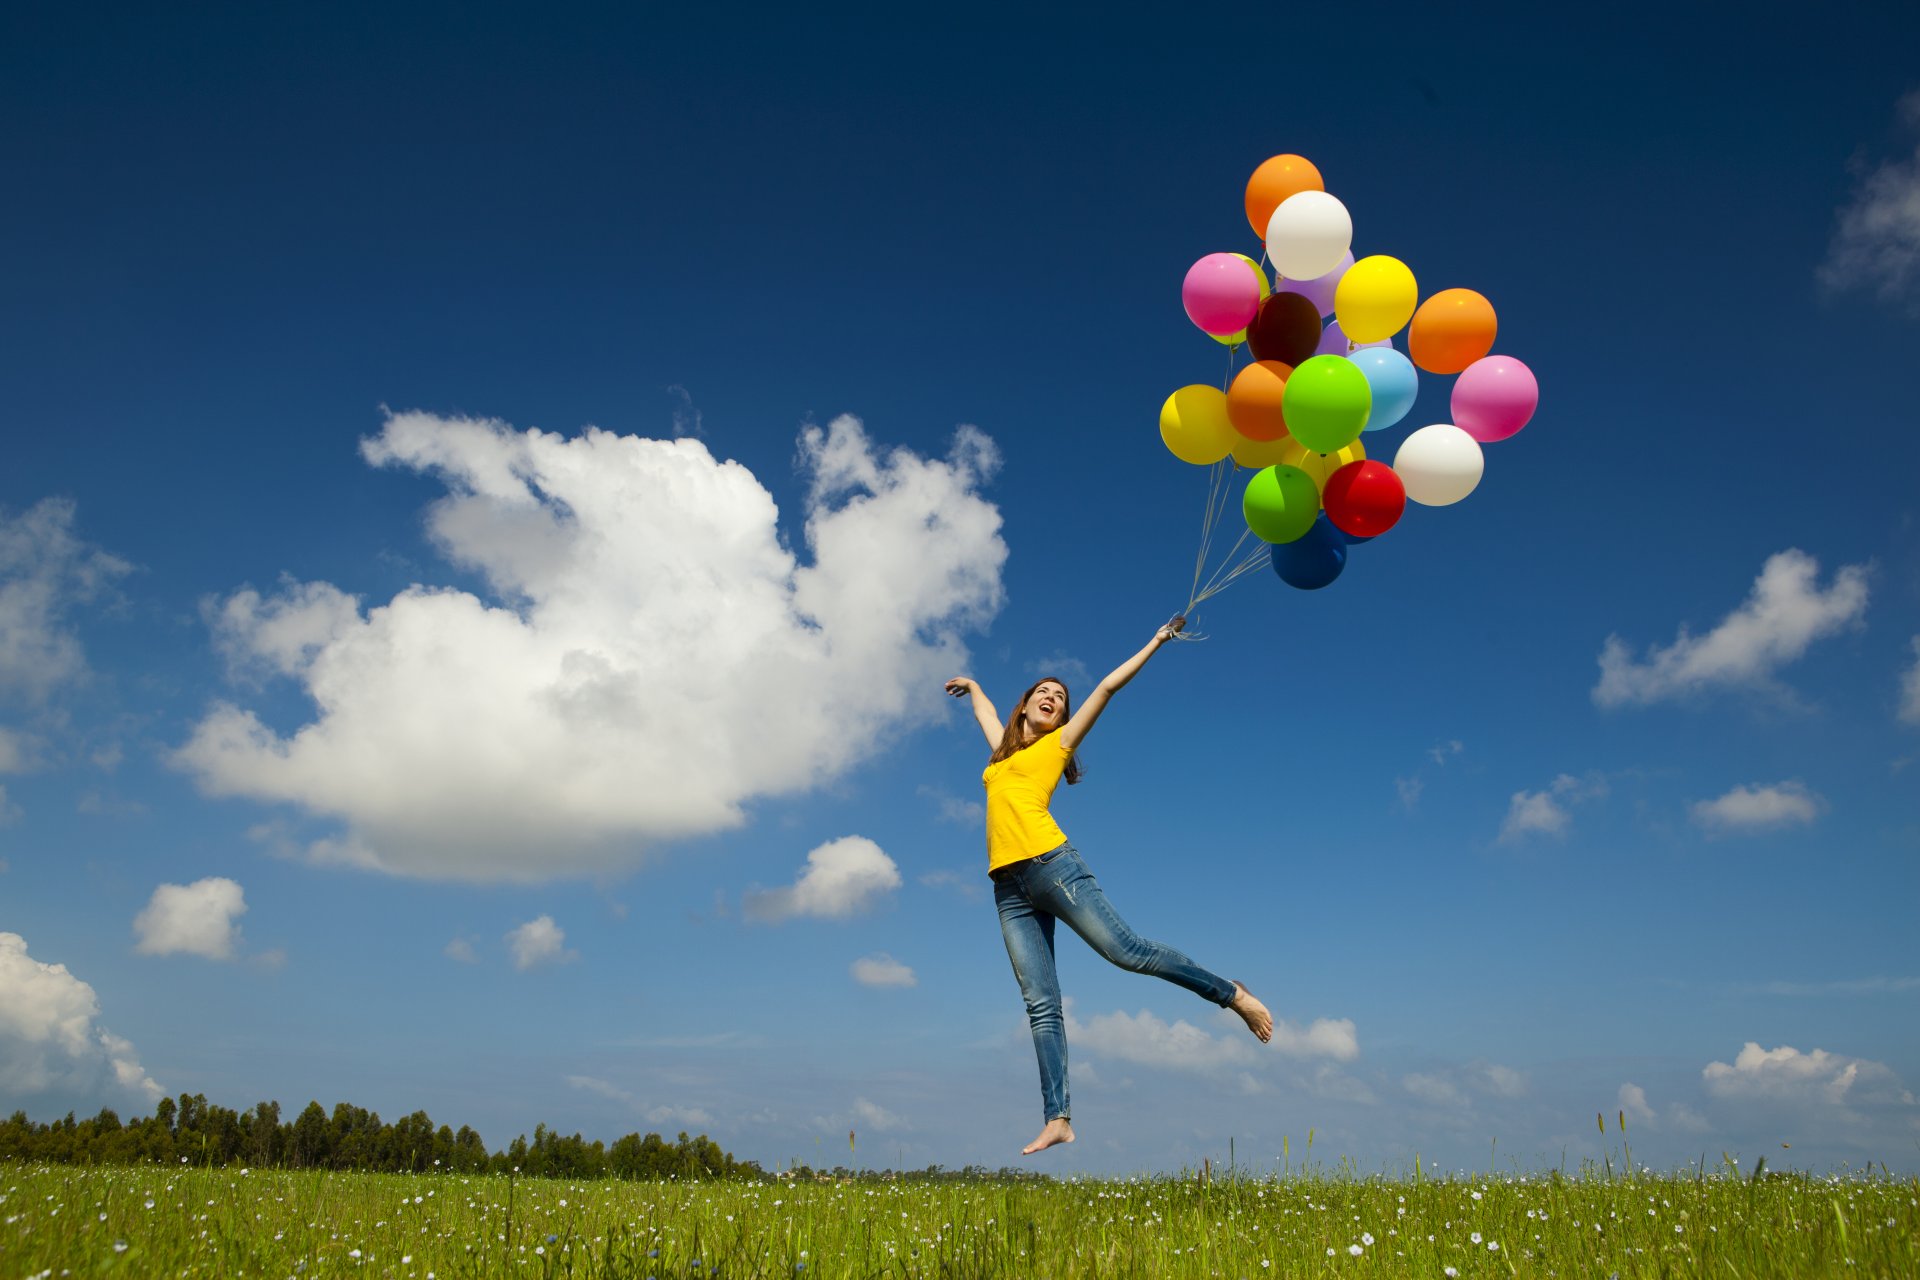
1047,707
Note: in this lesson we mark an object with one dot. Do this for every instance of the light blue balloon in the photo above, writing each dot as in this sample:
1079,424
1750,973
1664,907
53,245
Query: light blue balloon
1393,381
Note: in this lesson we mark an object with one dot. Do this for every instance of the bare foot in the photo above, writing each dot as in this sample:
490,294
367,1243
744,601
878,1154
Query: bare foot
1248,1006
1056,1131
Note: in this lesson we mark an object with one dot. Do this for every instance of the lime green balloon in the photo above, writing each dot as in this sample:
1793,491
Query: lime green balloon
1326,403
1280,503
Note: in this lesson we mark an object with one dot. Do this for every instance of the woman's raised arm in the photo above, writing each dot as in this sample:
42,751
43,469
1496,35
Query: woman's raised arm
961,687
1089,711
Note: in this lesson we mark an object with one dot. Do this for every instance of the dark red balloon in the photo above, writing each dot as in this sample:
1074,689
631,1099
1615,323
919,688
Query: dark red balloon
1287,329
1364,498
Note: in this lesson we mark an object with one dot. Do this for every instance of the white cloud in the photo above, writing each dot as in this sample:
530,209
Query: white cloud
1180,1046
1758,808
1633,1101
842,878
882,970
1064,667
1787,1075
1148,1040
872,1115
199,919
1876,243
539,941
1505,1082
50,1035
1434,1089
44,572
961,813
651,658
1910,688
660,1115
18,750
1785,613
1545,812
1445,751
9,812
461,949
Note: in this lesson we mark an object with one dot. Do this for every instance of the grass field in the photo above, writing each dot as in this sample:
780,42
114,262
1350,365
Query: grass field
154,1221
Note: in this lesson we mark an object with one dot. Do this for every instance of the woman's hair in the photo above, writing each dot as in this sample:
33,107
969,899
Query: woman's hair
1011,740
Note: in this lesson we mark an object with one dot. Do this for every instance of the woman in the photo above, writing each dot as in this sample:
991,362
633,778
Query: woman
1038,877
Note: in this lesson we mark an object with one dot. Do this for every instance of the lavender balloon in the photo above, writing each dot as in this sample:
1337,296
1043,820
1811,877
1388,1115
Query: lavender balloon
1319,290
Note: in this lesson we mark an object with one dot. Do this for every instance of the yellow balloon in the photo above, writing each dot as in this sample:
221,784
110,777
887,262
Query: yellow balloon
1320,465
1375,299
1266,291
1194,425
1260,453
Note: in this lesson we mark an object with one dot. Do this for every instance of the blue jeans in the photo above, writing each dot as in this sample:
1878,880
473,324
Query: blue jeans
1031,895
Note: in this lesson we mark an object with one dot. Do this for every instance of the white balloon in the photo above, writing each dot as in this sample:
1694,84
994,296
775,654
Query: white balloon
1439,465
1308,234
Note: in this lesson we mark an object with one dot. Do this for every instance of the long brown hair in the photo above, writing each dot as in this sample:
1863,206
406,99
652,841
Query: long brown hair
1010,739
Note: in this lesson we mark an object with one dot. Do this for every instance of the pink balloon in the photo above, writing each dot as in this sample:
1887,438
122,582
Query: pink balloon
1319,290
1494,397
1222,294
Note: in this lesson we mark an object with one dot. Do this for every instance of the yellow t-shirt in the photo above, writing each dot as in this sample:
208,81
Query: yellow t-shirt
1019,790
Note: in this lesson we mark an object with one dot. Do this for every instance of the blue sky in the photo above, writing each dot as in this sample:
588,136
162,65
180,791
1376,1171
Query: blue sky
898,310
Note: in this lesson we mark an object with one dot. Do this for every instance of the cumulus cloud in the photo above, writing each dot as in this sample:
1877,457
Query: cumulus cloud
1909,709
872,1115
842,878
1785,613
1787,1075
198,919
882,970
539,941
1758,808
660,1115
50,1033
1633,1102
1151,1041
45,571
1876,241
1546,812
649,658
461,949
1434,1089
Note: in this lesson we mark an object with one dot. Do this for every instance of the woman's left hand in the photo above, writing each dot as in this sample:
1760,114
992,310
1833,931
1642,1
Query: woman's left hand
1172,629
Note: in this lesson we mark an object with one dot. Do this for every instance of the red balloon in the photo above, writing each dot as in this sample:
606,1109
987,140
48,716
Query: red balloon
1364,498
1287,329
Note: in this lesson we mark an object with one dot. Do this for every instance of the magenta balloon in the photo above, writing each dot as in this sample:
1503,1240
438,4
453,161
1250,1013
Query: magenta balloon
1221,293
1319,290
1494,397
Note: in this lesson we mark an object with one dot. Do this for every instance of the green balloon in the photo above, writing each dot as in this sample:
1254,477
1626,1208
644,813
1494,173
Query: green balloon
1280,503
1326,403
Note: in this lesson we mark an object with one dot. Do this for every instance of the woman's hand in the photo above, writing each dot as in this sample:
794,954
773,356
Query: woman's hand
1172,629
960,686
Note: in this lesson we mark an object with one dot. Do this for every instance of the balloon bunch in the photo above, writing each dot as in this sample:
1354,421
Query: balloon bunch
1324,372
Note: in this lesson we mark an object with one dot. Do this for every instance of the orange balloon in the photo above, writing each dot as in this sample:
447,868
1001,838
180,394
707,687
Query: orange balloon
1274,181
1253,401
1451,330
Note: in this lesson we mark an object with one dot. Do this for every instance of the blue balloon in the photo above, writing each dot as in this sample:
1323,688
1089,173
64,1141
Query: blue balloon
1313,560
1393,381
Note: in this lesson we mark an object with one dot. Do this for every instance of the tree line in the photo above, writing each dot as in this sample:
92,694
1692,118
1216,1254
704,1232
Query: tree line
192,1131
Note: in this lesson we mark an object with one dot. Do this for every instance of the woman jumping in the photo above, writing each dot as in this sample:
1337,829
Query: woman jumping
1038,876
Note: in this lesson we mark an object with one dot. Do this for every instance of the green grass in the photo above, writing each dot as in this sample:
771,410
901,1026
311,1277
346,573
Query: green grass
156,1221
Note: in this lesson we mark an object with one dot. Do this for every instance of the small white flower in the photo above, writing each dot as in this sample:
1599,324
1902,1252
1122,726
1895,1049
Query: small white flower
353,1253
119,1246
1329,1251
1475,1237
563,1204
1366,1237
1493,1246
1476,1195
1452,1271
1355,1250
